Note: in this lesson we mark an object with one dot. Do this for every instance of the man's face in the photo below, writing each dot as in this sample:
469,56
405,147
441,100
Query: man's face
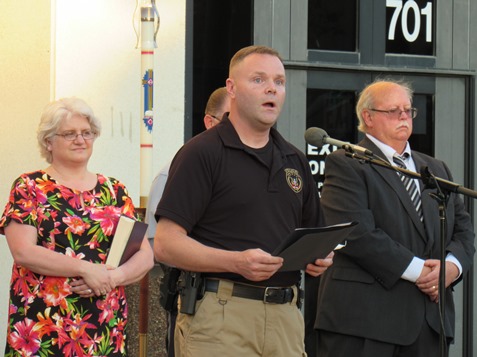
257,86
394,127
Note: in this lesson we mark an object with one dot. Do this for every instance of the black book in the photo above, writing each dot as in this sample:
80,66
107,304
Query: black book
126,241
305,245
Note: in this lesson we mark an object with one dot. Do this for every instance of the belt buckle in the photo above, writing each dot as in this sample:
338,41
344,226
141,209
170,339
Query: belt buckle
273,295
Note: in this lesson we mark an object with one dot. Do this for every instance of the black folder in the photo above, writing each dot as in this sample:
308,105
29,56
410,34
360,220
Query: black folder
305,245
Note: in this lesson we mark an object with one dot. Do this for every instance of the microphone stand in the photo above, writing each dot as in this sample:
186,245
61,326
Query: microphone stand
441,198
444,188
442,183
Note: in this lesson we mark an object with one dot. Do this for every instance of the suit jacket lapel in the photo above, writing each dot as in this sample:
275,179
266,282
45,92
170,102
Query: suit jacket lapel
391,179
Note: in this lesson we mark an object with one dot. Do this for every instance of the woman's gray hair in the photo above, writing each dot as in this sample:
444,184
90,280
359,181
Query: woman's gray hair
369,93
53,116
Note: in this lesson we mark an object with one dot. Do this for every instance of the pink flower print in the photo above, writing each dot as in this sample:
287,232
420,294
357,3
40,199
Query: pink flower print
108,218
25,338
71,253
109,305
12,309
75,225
54,291
93,243
78,337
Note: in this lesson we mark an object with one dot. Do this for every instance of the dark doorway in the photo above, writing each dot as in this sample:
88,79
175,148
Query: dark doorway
221,28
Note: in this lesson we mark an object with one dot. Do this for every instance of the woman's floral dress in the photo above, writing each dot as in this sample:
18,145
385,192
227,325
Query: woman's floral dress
45,317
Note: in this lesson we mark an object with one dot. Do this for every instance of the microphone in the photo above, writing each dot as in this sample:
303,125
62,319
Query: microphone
318,137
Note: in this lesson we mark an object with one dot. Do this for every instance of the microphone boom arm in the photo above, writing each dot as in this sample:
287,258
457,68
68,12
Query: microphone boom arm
446,185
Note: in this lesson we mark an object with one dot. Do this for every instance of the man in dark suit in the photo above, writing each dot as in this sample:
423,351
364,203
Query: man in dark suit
380,297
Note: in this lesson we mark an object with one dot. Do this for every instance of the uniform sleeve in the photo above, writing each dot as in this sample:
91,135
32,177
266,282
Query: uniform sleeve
189,186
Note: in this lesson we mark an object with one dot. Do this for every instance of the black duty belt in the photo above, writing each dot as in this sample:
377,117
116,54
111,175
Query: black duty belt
269,295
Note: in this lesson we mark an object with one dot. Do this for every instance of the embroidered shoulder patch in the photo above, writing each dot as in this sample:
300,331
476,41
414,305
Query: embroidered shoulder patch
294,180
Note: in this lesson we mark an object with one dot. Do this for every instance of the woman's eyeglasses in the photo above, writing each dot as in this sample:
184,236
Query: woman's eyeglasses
71,136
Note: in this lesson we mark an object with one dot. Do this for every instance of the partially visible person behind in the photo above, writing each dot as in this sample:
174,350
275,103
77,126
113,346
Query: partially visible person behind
217,104
59,223
234,193
380,297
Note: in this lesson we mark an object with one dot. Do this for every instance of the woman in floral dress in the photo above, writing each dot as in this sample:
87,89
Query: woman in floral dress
59,223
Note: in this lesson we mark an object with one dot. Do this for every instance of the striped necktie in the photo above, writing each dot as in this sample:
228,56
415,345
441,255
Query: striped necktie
409,184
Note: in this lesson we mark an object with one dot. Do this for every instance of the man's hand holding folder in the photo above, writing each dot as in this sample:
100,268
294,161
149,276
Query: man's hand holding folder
305,245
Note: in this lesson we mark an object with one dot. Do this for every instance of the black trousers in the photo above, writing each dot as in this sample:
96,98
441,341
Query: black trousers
310,308
337,345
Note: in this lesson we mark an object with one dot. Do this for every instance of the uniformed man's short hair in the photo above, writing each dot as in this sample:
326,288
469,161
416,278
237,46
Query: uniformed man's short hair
247,51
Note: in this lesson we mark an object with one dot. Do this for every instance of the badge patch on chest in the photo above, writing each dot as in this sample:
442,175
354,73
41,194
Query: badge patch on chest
294,180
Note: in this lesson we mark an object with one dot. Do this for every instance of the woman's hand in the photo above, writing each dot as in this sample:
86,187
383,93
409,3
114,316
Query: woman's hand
98,278
79,286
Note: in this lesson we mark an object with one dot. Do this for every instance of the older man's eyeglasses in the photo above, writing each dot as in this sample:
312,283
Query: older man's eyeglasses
215,117
396,113
71,135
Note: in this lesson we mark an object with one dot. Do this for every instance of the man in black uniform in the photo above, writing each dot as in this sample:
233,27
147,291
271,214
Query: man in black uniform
217,104
234,193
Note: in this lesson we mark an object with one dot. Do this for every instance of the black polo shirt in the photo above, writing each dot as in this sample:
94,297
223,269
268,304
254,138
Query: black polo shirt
226,197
